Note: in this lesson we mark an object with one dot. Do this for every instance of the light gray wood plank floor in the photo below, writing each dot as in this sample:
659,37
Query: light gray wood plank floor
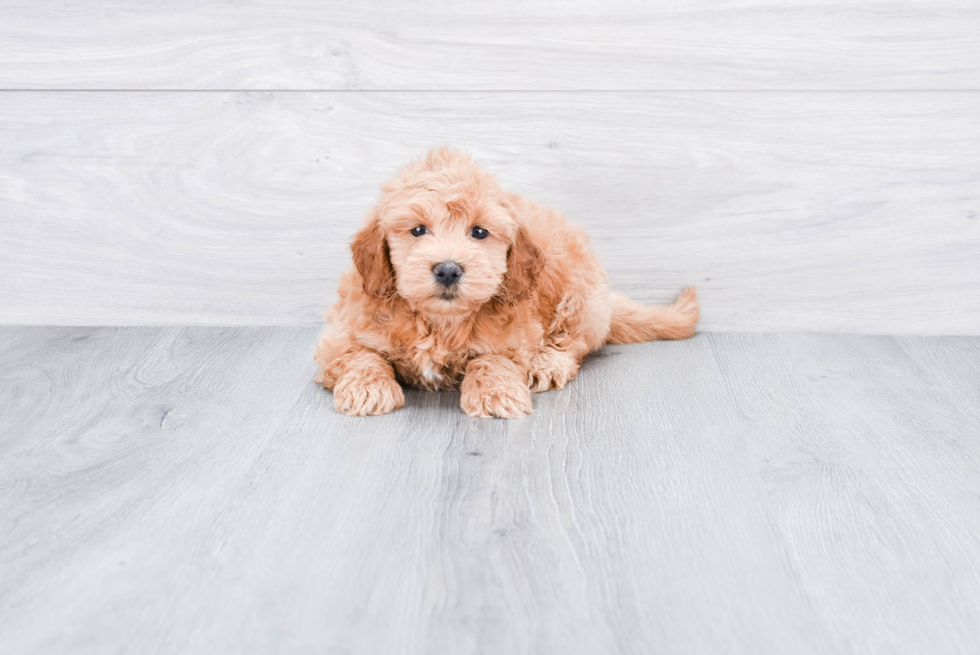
191,490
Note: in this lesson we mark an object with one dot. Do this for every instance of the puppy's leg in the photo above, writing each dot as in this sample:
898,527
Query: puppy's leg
494,385
578,327
363,383
552,368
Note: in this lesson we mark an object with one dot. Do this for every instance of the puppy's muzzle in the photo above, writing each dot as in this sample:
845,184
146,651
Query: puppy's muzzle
447,273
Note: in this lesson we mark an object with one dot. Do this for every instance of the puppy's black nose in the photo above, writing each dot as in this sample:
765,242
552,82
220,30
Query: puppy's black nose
447,273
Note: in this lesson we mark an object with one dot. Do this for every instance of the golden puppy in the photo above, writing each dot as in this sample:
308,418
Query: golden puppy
460,284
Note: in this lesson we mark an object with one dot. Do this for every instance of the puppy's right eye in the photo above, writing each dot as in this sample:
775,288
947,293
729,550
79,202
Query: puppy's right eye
418,230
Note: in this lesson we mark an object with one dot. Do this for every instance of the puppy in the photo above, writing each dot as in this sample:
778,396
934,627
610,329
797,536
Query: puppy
458,284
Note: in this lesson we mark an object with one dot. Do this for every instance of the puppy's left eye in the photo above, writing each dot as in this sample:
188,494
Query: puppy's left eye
418,230
479,233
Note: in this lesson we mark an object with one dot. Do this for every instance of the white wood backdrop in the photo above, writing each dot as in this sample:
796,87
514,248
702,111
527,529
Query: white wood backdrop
499,45
810,166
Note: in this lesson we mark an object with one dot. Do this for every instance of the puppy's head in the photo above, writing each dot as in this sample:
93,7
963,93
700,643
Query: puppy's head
445,238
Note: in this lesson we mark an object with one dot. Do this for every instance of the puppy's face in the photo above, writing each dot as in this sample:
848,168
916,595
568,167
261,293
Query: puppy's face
444,237
448,256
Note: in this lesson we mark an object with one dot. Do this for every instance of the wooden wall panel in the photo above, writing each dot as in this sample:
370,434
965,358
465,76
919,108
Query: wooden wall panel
476,45
792,211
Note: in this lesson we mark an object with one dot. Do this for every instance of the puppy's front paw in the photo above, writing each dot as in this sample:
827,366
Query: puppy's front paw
500,397
360,394
551,369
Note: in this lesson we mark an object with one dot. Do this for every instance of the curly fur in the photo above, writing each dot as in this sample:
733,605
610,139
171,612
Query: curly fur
533,299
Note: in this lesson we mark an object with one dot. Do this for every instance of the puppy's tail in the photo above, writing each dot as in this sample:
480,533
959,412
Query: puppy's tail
633,323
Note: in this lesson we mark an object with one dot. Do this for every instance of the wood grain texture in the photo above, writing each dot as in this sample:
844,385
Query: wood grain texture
190,490
472,45
845,212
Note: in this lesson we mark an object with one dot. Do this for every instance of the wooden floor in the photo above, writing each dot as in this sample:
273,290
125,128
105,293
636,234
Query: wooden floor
191,490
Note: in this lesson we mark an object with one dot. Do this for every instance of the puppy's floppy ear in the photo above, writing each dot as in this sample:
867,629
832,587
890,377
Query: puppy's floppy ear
372,261
524,263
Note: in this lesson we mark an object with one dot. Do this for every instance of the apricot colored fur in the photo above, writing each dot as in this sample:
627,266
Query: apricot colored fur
532,302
